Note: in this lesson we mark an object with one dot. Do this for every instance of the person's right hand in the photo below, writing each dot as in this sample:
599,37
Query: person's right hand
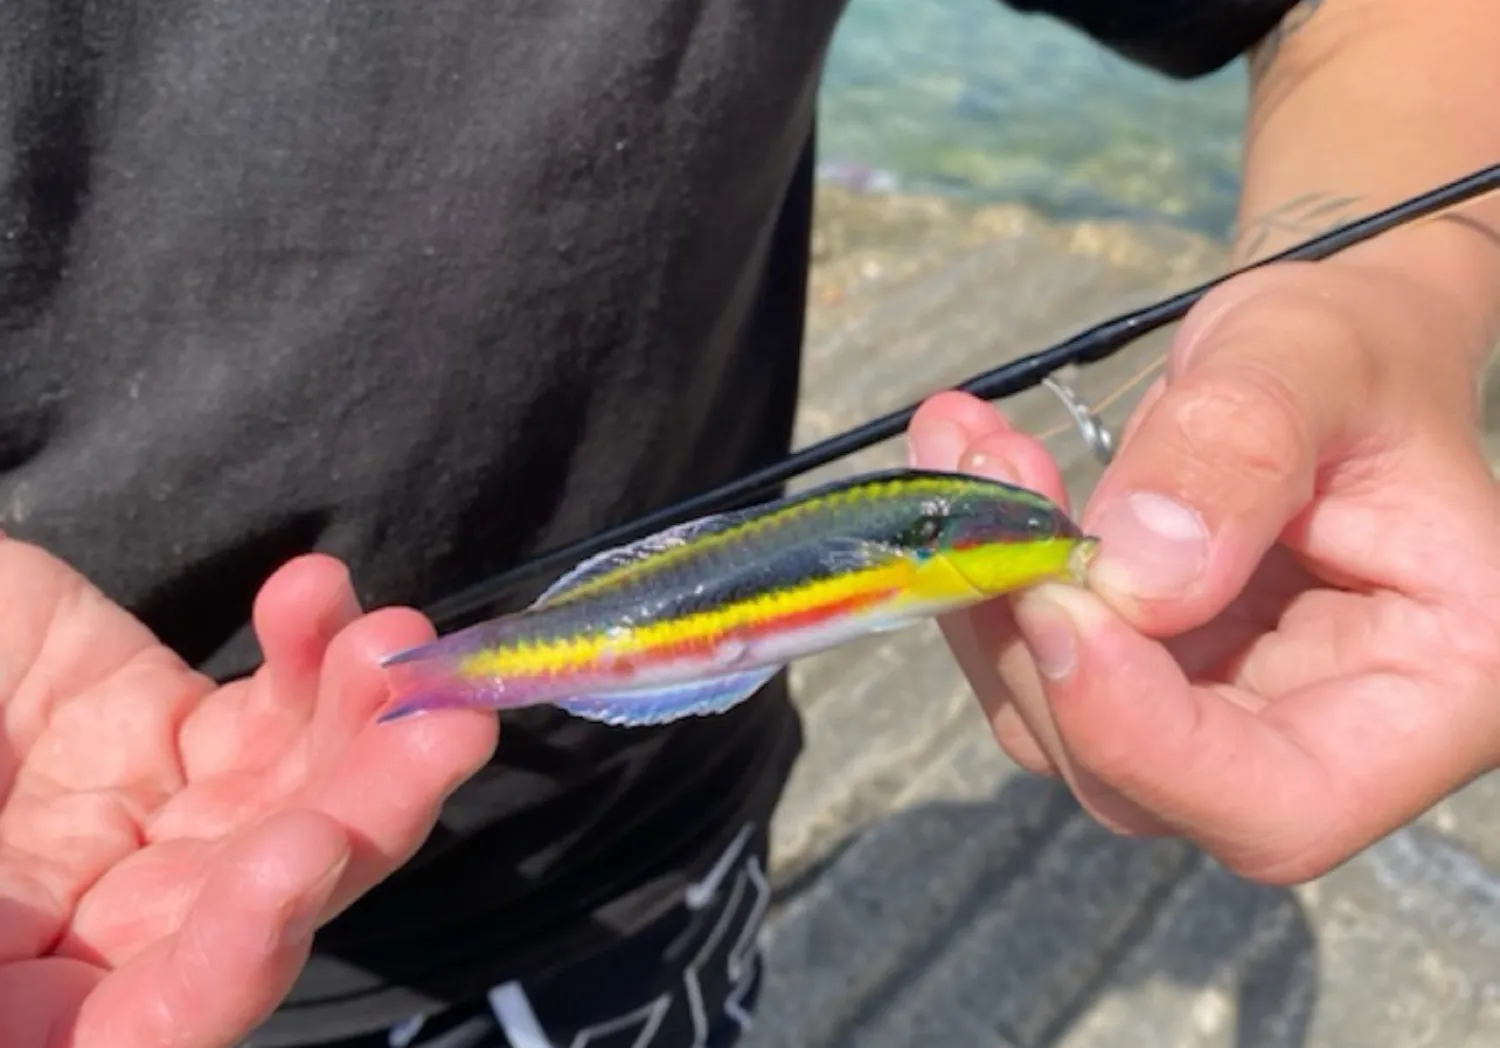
168,847
1289,644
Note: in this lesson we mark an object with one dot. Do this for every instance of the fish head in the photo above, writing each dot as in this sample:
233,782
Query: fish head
984,538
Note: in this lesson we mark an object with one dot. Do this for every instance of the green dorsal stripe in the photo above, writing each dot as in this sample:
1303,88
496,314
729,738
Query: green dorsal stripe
838,495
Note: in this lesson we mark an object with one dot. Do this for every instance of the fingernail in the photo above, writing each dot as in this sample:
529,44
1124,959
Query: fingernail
1150,547
1049,632
304,919
937,445
989,465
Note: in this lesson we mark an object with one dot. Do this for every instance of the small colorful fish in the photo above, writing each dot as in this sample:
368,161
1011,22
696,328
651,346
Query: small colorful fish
696,618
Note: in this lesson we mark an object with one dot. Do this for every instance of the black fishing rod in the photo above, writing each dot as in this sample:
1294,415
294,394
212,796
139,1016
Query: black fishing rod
1097,343
1094,344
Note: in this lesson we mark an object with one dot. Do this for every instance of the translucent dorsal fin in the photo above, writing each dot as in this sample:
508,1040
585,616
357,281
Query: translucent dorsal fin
602,564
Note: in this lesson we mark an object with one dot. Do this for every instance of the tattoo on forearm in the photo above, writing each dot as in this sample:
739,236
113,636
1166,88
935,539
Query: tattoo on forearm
1312,214
1288,27
1296,220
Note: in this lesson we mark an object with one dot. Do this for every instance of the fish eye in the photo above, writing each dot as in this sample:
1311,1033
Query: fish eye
1038,523
927,530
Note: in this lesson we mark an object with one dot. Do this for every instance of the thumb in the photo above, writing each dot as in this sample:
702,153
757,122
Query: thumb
1218,464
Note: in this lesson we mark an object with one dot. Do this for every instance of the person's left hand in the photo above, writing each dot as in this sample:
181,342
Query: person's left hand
167,848
1290,641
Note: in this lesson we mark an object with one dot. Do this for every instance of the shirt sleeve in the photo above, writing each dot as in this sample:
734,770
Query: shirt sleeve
1181,38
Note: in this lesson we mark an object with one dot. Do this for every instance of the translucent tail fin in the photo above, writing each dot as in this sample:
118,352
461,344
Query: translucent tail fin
423,679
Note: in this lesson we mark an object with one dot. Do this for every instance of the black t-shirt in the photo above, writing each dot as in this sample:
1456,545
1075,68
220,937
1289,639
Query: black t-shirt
429,286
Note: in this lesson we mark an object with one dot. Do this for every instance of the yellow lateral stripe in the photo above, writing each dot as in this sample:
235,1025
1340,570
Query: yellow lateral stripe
562,655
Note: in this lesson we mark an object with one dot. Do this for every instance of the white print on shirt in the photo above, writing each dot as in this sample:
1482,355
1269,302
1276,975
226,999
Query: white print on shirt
514,1013
649,1016
746,955
740,960
700,893
516,1017
402,1034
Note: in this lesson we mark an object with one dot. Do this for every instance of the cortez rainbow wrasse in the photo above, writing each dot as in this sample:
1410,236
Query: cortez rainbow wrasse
696,618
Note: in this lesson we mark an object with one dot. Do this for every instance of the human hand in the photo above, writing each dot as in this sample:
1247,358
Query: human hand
167,848
1290,643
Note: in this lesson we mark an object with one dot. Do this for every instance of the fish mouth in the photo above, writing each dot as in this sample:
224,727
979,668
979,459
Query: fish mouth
1081,558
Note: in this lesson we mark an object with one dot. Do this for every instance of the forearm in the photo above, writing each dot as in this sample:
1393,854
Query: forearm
1357,104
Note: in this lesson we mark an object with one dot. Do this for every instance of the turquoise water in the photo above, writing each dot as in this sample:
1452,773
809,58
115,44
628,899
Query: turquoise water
968,97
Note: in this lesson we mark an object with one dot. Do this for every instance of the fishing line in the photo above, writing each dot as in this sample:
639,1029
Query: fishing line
1151,366
1097,343
1094,344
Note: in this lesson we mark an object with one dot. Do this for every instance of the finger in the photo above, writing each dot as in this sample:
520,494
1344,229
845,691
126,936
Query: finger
1214,763
54,848
983,639
1227,455
249,725
238,951
979,637
39,1000
1010,689
351,686
958,432
141,899
31,914
297,613
386,782
980,640
946,423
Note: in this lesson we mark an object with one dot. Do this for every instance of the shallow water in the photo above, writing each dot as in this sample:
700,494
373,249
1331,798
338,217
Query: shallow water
970,98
